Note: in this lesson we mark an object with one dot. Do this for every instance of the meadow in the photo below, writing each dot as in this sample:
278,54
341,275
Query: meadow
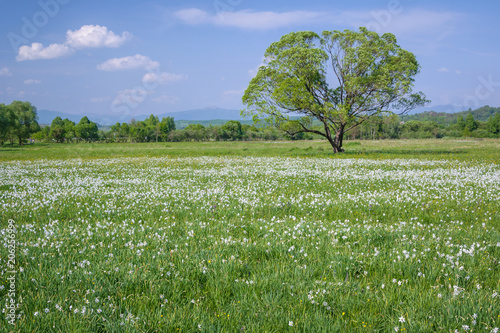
400,236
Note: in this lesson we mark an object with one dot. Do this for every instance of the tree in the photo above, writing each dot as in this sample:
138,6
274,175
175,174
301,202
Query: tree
460,123
493,124
373,75
231,130
69,129
7,119
25,120
57,129
166,125
470,123
86,129
195,132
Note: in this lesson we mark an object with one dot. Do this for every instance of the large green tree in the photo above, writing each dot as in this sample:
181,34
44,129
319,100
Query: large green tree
166,126
86,129
7,120
57,130
341,78
25,120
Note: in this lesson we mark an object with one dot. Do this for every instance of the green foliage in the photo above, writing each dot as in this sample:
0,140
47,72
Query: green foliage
481,114
7,121
57,130
230,131
374,75
493,124
86,129
470,123
17,120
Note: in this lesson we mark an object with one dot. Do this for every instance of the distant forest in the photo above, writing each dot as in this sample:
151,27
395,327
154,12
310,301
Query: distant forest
18,124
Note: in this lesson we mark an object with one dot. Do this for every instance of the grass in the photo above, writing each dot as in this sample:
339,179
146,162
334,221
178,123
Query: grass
462,149
195,237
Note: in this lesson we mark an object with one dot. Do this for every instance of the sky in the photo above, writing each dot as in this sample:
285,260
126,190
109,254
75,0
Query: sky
141,57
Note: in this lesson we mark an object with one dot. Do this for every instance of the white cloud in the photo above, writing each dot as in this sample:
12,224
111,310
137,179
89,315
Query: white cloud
162,77
249,19
194,16
132,62
32,81
131,97
88,36
5,72
402,20
443,70
37,51
409,21
92,36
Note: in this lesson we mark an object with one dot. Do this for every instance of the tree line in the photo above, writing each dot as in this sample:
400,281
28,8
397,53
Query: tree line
18,123
392,127
153,129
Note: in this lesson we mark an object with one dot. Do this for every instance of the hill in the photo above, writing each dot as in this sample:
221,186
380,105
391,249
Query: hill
211,113
443,118
181,124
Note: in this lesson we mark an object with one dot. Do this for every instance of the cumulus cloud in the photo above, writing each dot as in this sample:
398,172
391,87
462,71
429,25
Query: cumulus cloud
92,36
5,72
32,81
131,97
131,62
397,21
38,51
194,16
162,77
443,70
88,36
409,22
249,19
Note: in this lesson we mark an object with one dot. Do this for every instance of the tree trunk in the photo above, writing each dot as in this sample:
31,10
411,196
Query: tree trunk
336,142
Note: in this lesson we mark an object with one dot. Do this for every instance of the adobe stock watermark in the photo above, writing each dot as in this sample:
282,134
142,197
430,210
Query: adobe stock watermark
31,26
11,299
484,90
223,6
383,18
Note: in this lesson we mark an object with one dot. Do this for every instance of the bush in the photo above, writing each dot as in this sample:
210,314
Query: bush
481,133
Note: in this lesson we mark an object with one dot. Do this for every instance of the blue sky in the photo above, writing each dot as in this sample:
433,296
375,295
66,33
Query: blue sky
140,57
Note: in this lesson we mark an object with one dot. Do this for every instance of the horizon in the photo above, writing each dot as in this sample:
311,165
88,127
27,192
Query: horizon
128,59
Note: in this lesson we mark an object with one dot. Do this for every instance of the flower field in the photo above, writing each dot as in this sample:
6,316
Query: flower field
252,244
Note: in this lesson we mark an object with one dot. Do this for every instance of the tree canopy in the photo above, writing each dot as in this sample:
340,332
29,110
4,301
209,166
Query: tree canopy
371,75
18,119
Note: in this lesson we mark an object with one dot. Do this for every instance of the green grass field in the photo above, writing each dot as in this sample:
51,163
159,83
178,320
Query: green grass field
252,237
462,149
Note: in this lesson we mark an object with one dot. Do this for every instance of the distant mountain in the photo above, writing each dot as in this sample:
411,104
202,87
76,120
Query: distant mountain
210,113
443,118
442,114
181,124
45,116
